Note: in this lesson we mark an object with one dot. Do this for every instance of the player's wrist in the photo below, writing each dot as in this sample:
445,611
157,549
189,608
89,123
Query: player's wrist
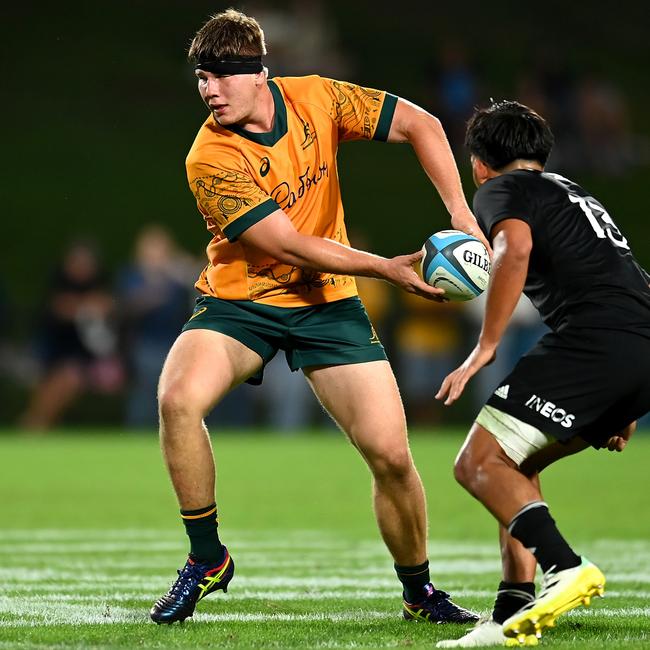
458,209
487,344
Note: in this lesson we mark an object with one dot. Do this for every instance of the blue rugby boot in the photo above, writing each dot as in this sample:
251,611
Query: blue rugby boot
195,581
437,607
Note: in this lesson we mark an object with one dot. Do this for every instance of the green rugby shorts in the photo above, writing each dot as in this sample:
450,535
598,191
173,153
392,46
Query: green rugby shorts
329,334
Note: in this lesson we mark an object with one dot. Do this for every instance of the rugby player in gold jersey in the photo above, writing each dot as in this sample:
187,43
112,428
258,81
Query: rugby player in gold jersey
280,276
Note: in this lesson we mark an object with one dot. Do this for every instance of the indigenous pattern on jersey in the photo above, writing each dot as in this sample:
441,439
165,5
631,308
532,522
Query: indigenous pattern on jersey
581,271
239,177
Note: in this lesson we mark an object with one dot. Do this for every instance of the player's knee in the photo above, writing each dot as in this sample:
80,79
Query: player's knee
176,402
465,471
391,464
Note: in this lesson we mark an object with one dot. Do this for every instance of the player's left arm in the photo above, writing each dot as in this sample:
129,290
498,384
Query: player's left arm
425,134
512,240
619,441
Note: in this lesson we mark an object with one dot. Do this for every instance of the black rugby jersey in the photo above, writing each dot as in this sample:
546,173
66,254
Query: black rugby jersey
581,270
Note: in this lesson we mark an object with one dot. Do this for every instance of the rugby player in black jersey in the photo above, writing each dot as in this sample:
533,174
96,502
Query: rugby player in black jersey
584,384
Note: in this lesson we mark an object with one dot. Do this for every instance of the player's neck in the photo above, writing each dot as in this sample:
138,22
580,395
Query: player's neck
263,115
530,165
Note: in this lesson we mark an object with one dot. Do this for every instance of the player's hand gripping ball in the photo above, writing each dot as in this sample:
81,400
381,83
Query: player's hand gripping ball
457,263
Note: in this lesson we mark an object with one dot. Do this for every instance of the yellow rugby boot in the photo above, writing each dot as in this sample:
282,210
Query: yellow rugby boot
560,592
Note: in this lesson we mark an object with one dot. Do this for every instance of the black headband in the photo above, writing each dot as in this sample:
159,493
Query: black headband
232,65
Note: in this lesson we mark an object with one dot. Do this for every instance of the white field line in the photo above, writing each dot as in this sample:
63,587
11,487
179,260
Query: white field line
370,566
109,542
268,538
242,594
22,575
20,578
304,541
614,612
146,595
150,592
154,591
80,594
47,615
72,594
350,551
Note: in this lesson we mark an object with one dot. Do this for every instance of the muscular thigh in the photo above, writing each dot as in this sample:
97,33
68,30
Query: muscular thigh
364,400
202,366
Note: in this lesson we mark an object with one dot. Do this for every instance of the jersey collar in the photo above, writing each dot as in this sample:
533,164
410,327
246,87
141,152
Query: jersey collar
279,129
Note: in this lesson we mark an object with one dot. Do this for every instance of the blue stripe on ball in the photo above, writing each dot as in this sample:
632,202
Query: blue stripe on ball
441,260
430,251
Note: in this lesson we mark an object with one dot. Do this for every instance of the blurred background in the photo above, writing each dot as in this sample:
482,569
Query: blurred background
102,239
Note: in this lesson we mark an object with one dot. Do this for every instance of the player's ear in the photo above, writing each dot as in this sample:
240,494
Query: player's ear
480,171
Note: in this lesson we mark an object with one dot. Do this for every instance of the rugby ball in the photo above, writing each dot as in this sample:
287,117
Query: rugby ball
457,263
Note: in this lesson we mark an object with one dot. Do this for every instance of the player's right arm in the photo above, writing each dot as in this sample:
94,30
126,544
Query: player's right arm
276,236
231,198
366,113
513,242
425,134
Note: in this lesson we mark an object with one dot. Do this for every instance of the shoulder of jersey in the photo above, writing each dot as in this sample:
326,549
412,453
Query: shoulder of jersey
302,89
212,142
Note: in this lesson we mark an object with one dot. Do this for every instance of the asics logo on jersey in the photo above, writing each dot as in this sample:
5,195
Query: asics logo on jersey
551,411
265,166
286,197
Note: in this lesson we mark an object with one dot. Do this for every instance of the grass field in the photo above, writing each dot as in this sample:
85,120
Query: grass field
90,536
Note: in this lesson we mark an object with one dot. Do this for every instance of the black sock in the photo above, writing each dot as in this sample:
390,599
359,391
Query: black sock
201,527
511,597
534,527
414,579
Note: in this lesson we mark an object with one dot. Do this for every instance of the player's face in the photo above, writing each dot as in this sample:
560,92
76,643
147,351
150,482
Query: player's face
230,98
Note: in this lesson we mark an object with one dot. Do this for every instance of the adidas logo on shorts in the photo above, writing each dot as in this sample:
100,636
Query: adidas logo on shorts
502,391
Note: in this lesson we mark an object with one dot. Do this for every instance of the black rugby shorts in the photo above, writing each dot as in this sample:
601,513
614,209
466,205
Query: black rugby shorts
579,382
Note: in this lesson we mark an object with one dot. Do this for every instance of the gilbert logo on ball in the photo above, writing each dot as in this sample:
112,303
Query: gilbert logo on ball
457,263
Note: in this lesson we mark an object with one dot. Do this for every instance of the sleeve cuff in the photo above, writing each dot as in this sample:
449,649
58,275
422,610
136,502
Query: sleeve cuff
385,118
238,226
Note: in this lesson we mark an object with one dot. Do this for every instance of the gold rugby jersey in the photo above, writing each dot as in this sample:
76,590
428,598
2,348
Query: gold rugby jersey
239,177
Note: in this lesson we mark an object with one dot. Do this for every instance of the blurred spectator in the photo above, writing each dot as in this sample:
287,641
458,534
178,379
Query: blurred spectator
548,86
604,127
456,91
301,39
428,339
4,323
77,341
589,116
155,301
